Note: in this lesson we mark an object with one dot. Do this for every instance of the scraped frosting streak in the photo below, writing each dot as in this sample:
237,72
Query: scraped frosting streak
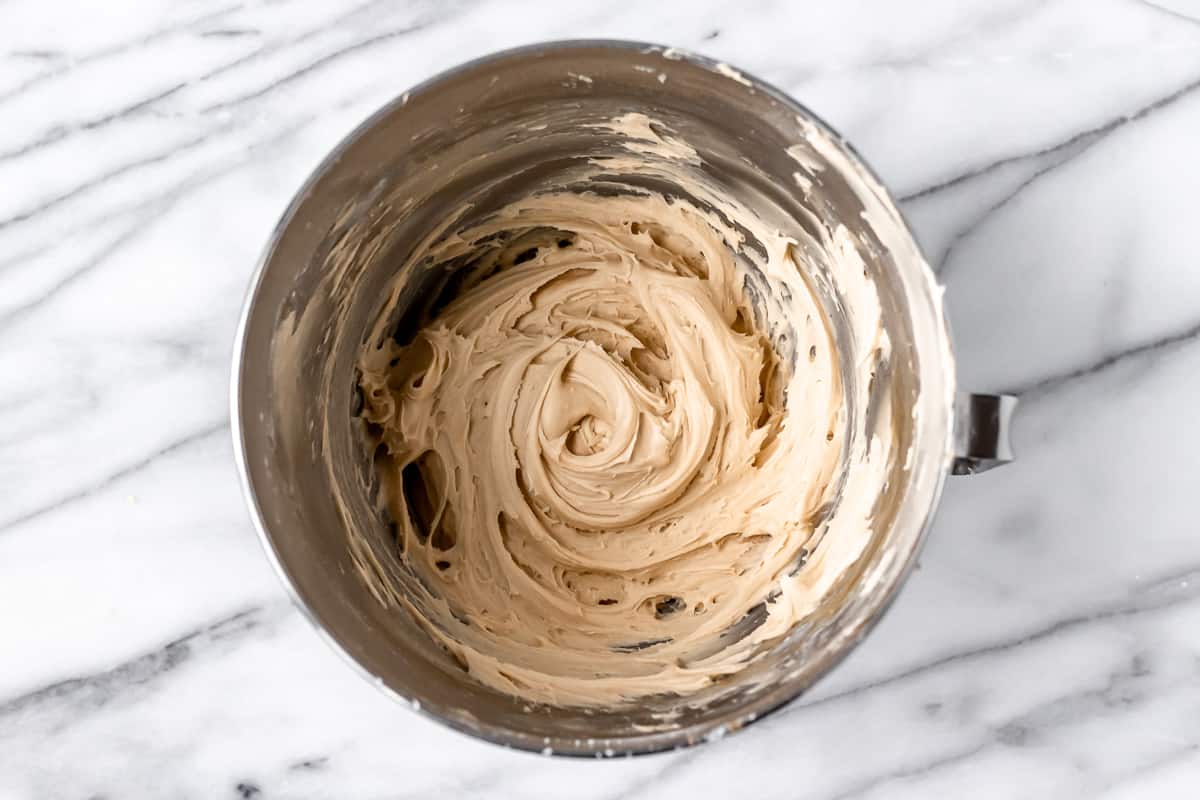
615,470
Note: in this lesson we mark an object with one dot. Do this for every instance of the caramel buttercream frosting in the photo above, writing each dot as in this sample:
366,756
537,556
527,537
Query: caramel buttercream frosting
616,457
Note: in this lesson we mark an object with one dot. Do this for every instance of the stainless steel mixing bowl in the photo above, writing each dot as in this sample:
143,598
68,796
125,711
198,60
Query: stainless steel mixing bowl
472,136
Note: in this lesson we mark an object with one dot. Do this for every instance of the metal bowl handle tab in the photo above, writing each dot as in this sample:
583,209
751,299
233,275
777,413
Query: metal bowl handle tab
982,424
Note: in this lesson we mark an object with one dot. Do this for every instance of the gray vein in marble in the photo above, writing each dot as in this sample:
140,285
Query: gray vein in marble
1169,581
646,787
315,763
139,227
1170,12
362,44
481,784
58,133
1141,605
272,48
146,103
916,771
1058,156
178,190
85,60
1121,690
1084,140
1064,153
160,205
99,221
1042,386
83,492
1069,150
247,790
229,33
124,169
1170,758
92,692
141,105
987,22
37,55
1176,591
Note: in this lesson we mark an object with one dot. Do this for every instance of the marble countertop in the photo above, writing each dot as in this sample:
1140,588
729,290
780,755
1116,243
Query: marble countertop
1047,154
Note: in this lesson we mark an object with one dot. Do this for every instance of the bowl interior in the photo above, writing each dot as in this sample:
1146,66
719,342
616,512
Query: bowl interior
455,150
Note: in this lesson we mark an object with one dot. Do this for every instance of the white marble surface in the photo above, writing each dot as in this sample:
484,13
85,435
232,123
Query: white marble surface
1048,154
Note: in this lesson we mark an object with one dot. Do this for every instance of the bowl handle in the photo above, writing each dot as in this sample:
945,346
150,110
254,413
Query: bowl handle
982,423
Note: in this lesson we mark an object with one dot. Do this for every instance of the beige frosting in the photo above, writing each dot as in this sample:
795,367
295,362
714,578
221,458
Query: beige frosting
609,477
